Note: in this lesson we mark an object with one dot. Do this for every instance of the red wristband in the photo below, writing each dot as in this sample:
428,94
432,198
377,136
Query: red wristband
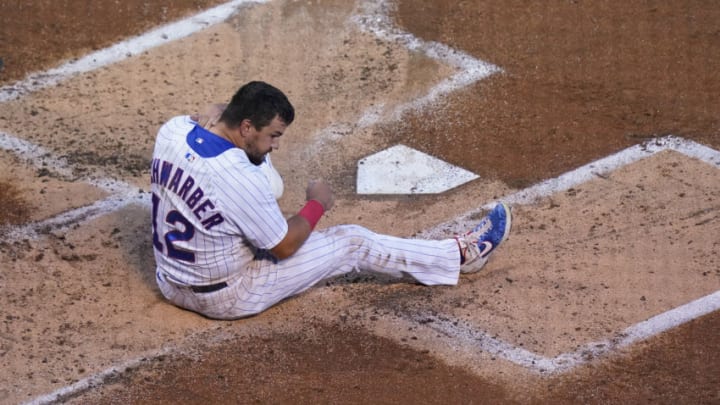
312,211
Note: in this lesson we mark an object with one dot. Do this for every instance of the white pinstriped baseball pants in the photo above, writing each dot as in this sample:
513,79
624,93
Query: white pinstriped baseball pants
329,253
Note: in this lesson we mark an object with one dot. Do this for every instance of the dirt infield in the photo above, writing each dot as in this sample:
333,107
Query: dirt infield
587,265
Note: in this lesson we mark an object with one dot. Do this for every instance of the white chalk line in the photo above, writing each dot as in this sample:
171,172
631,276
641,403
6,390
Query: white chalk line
374,18
470,70
608,164
455,329
458,331
35,155
121,193
77,216
596,169
95,380
41,158
123,50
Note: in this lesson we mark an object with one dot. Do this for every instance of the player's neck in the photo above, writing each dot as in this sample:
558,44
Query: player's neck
221,130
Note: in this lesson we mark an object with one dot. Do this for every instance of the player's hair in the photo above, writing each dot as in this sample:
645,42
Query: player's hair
260,103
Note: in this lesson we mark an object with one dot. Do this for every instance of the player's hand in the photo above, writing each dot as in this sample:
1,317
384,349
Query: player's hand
210,116
320,191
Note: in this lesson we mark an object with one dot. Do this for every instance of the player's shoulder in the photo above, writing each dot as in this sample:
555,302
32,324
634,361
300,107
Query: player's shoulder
238,167
181,124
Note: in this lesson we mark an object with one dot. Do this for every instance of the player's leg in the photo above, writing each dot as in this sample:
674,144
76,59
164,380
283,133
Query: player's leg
340,250
332,252
346,248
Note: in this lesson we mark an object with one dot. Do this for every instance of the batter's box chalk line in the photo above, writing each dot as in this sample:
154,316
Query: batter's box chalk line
599,168
120,193
457,333
123,50
374,18
460,332
96,380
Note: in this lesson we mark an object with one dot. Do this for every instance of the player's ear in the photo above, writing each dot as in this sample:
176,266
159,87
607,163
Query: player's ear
245,127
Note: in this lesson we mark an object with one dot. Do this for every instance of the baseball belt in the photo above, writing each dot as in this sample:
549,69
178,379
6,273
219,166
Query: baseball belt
196,288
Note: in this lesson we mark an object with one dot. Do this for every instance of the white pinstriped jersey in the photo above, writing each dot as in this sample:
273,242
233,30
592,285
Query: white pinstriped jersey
213,209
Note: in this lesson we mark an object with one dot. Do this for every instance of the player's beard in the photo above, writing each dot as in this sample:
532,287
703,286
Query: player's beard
254,154
257,161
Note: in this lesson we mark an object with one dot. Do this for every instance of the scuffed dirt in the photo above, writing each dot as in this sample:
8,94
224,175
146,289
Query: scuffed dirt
17,209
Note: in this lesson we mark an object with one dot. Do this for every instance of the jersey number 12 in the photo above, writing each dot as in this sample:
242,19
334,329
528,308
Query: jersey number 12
171,237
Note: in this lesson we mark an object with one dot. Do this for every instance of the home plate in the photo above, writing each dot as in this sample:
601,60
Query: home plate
403,170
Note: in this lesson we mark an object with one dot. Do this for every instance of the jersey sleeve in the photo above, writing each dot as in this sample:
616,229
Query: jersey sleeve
252,207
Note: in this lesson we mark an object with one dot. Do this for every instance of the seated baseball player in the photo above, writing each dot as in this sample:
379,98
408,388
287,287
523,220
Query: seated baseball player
224,249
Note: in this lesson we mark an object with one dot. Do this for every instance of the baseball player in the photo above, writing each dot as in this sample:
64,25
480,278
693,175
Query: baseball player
224,249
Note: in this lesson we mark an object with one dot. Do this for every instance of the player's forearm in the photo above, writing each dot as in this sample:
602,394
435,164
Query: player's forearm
298,231
320,199
299,228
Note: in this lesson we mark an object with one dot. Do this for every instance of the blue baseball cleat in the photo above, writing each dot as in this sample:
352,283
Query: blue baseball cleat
477,245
